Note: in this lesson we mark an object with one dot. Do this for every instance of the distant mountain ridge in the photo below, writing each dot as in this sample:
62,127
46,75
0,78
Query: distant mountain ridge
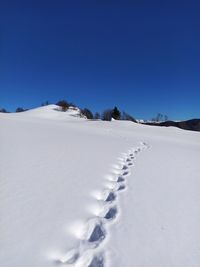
191,125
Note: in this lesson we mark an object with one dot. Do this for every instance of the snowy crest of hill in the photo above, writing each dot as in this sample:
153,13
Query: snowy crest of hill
54,112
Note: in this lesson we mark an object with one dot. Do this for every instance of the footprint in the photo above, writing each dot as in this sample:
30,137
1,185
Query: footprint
97,261
130,164
128,160
121,187
95,232
107,195
120,179
125,173
111,214
111,197
90,260
124,167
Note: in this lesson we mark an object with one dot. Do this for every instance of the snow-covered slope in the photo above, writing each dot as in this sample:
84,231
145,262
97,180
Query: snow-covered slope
90,193
50,112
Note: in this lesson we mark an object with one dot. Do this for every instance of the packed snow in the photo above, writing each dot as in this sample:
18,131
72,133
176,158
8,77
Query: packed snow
83,193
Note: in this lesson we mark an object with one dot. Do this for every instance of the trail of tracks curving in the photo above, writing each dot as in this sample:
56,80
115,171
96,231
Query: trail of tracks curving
90,252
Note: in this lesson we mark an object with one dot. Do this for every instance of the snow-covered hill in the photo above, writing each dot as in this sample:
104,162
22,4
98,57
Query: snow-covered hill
95,194
49,112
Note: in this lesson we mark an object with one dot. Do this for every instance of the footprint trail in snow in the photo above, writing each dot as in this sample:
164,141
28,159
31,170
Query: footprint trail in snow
87,253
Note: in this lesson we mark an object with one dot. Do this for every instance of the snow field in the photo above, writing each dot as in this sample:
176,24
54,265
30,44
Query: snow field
94,232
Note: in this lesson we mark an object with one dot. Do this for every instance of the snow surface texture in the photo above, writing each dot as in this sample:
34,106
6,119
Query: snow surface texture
94,232
77,193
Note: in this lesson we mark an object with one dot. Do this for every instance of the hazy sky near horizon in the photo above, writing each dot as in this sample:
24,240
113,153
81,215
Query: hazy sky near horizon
142,56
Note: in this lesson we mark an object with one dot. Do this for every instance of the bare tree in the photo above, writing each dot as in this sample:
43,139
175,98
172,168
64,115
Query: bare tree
96,116
159,117
166,118
107,115
63,104
88,113
125,116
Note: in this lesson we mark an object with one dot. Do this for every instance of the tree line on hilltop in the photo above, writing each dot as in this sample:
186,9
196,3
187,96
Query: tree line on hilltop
106,115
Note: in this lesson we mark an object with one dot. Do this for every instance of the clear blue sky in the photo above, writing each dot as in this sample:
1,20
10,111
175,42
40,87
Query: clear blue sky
141,55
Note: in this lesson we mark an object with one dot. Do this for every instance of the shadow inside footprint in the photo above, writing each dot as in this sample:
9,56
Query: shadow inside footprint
98,261
130,164
121,187
125,173
124,167
111,214
120,179
98,234
111,197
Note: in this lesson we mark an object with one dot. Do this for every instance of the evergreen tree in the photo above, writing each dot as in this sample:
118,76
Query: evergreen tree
107,115
116,114
3,110
20,109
